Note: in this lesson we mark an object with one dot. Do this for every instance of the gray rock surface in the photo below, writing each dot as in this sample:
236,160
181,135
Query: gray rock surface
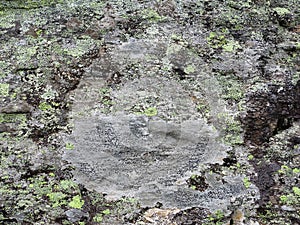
121,150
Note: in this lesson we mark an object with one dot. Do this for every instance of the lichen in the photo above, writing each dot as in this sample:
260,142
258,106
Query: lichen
151,111
151,15
281,11
76,202
189,69
4,89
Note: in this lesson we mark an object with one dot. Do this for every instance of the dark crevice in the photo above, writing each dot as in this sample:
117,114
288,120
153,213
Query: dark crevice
270,112
282,124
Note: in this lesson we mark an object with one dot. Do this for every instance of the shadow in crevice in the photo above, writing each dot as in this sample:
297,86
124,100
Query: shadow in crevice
270,112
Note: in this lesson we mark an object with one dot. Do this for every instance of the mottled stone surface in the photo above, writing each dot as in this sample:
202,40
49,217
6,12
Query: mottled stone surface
120,150
150,159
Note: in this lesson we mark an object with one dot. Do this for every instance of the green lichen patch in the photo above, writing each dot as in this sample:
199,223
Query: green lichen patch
57,199
13,118
246,182
232,89
25,55
190,69
231,46
151,111
6,20
69,146
281,11
45,106
28,4
4,89
216,218
79,47
216,39
76,202
232,130
151,15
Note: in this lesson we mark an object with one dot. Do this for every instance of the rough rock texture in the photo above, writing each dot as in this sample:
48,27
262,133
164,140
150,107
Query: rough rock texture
153,137
150,160
205,91
271,111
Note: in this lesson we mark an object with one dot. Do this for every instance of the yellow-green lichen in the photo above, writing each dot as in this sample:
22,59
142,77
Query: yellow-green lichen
151,15
13,118
69,146
292,197
281,11
190,69
24,55
151,111
45,106
246,182
230,46
76,202
30,4
232,129
79,48
4,89
98,218
216,40
57,199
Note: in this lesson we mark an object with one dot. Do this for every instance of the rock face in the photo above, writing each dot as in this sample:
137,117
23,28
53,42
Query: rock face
141,135
150,159
271,111
149,112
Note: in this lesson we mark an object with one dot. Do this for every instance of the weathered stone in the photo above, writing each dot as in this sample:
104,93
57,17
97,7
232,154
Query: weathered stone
147,158
16,107
75,215
270,111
